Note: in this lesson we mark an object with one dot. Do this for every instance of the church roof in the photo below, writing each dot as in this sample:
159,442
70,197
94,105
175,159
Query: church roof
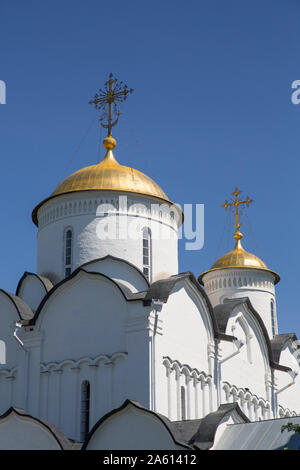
239,258
192,434
222,314
24,311
108,175
47,284
278,343
127,403
204,436
259,435
57,434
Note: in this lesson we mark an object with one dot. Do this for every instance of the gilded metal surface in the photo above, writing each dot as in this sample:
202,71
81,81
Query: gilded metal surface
110,175
238,258
107,175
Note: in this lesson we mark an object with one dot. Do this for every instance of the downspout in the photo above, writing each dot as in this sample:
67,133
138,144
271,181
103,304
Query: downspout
239,344
26,371
293,374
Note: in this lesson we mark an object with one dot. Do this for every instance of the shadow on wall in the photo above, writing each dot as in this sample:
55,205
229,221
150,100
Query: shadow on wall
2,352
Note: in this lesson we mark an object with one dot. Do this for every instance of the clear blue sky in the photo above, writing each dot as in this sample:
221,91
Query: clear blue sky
211,109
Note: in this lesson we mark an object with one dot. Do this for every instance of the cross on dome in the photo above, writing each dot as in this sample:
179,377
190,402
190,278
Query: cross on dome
236,206
114,92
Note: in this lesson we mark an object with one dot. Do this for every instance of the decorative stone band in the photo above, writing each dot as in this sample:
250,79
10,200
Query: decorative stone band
9,374
254,407
189,372
235,279
60,208
76,365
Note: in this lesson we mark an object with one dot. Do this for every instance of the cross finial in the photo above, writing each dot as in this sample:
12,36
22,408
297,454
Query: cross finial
236,206
114,92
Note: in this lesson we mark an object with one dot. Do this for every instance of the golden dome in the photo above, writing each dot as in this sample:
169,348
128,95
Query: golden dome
106,175
239,258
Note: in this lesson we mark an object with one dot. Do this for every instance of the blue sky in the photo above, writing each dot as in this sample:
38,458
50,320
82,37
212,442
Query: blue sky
211,109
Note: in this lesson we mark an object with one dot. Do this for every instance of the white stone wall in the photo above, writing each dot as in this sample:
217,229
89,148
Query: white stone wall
87,331
78,212
247,367
24,433
182,356
258,285
287,386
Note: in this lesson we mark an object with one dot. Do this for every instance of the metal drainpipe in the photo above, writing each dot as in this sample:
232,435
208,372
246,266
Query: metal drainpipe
19,325
293,374
239,344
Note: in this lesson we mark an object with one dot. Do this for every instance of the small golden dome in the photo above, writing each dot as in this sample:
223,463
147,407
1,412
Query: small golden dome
239,258
106,175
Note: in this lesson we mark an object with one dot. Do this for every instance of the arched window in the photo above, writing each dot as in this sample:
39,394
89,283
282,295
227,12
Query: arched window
183,403
147,253
273,318
84,410
68,252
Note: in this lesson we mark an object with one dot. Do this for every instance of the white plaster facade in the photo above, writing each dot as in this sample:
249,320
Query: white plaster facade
257,285
126,213
163,343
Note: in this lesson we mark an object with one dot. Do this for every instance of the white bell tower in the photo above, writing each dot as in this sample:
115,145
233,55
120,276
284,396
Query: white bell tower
242,274
107,209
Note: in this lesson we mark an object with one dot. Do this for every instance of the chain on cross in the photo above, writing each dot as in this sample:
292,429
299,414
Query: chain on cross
114,92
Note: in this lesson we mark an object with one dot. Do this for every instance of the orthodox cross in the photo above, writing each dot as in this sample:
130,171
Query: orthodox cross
236,206
114,92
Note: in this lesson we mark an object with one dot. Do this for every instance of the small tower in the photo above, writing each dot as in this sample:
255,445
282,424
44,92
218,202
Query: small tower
242,274
107,209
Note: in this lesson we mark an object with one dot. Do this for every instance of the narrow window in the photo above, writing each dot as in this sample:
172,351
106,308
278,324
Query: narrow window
183,405
147,253
68,252
273,319
85,410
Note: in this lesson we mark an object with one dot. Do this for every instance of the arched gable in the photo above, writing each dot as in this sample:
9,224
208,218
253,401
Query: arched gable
223,312
127,294
19,309
29,433
12,310
161,290
81,313
279,342
120,270
33,288
258,342
148,430
186,326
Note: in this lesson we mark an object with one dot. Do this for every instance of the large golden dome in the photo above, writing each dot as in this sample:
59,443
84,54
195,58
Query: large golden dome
239,258
106,175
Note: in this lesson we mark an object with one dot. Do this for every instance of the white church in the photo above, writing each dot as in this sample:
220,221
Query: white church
107,336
